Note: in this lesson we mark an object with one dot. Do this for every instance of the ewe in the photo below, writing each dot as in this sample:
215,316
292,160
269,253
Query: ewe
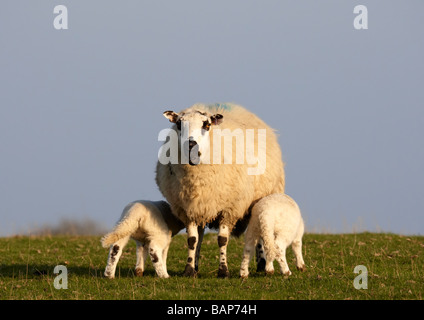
151,225
277,219
218,182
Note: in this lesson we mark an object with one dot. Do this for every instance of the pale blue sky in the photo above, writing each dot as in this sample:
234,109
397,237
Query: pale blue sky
81,109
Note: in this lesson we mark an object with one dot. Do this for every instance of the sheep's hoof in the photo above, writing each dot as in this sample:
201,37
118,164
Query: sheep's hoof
301,268
223,271
138,272
269,273
261,265
189,271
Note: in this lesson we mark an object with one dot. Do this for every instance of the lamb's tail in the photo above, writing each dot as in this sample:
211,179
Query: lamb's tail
266,223
124,228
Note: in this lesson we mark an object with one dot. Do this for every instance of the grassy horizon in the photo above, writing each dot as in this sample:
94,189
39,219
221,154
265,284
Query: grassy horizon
394,264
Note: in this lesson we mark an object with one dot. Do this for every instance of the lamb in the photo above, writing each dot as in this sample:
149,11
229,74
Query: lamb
151,224
210,187
277,219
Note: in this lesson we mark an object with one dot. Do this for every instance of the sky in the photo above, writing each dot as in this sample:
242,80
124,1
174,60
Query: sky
81,108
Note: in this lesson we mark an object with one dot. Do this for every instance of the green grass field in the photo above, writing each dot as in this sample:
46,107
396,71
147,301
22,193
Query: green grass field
394,263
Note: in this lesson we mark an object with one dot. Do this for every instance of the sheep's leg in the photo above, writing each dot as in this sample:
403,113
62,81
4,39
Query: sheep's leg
192,236
249,246
269,266
269,250
281,257
156,255
260,256
201,232
269,263
115,252
297,249
165,254
223,236
141,253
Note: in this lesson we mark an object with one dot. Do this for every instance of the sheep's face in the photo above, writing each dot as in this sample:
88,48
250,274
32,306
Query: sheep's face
193,131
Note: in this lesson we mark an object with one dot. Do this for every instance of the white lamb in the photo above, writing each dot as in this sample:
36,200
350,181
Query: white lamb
277,219
151,225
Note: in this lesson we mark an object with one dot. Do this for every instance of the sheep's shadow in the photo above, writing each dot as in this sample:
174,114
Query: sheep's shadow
46,271
24,271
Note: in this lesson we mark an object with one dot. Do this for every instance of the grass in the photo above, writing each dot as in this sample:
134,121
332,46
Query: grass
394,263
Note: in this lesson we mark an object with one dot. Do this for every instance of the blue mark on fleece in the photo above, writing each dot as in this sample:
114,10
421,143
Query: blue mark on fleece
221,106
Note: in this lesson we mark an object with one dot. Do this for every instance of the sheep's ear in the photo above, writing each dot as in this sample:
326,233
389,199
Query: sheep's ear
217,119
171,116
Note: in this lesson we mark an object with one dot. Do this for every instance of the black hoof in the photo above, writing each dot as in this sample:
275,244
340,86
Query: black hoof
223,271
189,271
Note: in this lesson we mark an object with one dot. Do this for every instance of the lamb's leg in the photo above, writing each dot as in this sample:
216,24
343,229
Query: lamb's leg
201,232
269,248
192,236
297,249
223,236
269,266
269,263
141,252
165,253
115,252
156,255
260,256
249,246
281,257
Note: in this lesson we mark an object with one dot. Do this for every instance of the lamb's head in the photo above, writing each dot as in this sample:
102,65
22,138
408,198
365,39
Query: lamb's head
193,131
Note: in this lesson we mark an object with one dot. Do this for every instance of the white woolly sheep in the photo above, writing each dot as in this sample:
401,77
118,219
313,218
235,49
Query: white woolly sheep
151,224
277,219
211,186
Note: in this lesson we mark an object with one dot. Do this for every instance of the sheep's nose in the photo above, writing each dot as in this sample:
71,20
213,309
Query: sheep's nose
194,153
192,144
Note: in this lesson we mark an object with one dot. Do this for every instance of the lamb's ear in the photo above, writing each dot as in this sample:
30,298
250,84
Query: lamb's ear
217,119
171,116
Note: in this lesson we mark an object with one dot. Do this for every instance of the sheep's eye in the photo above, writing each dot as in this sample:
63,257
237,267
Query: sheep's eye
206,125
178,123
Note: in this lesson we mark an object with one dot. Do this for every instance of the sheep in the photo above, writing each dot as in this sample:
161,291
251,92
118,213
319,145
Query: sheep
210,187
151,224
277,219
